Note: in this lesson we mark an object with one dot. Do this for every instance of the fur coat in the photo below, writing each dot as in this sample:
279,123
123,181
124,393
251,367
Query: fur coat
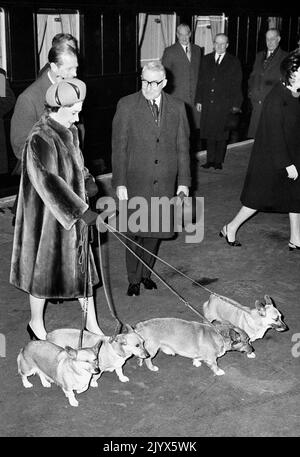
52,199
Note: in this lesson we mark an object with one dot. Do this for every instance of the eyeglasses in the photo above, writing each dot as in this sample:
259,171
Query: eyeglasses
152,84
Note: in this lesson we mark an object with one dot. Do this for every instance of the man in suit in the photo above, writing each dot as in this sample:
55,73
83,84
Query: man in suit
265,74
31,103
150,157
182,62
218,96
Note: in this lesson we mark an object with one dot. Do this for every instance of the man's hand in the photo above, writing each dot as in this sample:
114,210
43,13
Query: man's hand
199,107
89,217
121,192
183,189
292,172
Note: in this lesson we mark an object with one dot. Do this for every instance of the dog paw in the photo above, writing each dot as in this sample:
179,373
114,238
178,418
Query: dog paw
197,363
73,402
153,368
27,384
46,384
219,372
124,379
251,356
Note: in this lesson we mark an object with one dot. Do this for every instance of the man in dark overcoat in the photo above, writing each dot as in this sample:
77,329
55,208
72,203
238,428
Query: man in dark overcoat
218,95
265,74
182,63
150,156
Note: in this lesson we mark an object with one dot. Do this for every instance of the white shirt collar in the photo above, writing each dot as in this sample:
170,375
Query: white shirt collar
221,58
157,100
49,76
184,46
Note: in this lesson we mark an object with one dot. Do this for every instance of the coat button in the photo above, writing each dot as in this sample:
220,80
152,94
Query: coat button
155,182
156,161
157,140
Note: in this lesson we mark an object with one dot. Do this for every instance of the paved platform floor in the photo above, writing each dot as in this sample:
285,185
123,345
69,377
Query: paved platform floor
256,397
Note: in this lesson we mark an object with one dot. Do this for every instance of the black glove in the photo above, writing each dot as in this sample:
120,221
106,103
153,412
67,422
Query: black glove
89,217
91,187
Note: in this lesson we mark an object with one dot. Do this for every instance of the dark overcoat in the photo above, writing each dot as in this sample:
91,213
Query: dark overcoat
6,104
52,199
261,80
218,90
183,76
150,159
28,110
276,146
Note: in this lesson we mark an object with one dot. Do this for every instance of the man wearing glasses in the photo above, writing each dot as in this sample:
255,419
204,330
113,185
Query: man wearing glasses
150,158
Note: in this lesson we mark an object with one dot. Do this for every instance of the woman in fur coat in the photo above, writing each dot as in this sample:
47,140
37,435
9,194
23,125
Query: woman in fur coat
53,213
272,181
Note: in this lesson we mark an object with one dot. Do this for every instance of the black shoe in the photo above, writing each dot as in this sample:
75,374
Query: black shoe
133,289
218,166
223,234
149,284
32,334
293,247
208,165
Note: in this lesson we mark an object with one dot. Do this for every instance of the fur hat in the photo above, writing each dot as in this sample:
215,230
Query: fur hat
66,92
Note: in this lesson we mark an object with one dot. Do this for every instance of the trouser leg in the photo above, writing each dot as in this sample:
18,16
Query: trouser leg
211,151
135,269
152,244
220,151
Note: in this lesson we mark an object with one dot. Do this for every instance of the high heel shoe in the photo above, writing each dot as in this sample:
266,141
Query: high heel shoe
293,247
223,234
31,333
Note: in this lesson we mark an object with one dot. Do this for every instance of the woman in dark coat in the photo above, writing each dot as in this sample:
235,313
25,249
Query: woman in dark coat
272,181
53,213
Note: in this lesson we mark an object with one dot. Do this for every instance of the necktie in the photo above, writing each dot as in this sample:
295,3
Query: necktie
155,111
188,53
218,59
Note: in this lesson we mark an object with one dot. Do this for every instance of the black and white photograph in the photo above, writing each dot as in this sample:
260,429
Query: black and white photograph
149,222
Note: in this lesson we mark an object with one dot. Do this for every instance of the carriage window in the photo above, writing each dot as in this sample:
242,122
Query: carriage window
49,23
156,31
206,28
2,40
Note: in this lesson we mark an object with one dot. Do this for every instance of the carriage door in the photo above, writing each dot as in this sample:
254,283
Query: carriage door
206,28
156,31
2,41
49,23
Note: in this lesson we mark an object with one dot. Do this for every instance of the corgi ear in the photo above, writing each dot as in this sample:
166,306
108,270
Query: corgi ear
268,300
260,308
216,322
127,329
234,336
71,352
97,346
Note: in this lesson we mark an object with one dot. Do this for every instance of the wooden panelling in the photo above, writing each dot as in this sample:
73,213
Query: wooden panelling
128,42
91,53
21,23
111,43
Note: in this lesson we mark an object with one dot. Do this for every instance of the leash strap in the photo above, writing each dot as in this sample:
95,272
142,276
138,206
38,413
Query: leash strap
84,262
225,299
186,303
107,293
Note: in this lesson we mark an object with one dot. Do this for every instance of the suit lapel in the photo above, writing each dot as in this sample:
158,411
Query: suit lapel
144,112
